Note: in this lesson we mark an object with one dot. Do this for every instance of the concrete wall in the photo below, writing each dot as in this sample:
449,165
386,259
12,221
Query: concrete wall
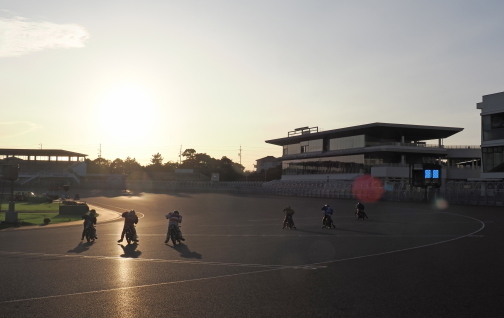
390,172
321,177
461,174
80,169
464,153
492,103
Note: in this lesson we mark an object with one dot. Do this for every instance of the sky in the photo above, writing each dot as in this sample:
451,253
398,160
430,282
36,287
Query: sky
136,78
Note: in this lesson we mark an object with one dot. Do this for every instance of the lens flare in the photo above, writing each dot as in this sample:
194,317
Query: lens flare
441,204
367,188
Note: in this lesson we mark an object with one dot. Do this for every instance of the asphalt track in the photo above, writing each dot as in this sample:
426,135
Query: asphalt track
406,260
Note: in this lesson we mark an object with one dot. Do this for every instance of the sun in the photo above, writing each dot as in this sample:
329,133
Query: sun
126,110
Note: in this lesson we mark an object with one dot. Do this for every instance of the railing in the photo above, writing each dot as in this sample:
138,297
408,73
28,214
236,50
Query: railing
400,144
454,192
378,144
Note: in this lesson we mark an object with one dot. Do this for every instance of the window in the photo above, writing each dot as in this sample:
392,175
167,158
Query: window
493,159
492,126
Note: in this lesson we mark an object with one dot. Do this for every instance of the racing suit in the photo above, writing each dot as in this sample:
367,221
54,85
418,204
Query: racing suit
174,219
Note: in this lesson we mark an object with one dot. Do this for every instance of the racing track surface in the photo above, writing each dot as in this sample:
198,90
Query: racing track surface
406,260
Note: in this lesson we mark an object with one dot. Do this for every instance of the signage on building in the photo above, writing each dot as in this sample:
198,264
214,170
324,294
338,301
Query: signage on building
427,175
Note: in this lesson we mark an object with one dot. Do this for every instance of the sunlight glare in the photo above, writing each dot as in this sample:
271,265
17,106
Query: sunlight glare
127,110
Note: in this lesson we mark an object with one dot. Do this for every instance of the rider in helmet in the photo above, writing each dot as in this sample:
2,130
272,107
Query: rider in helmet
130,219
289,212
328,212
89,220
174,219
359,207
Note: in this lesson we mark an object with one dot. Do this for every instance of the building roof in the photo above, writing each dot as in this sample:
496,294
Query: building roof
40,152
268,158
380,130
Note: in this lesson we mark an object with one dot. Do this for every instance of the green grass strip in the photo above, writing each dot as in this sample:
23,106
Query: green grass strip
30,219
32,207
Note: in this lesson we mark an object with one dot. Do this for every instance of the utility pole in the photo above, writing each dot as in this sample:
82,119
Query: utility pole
40,146
240,154
99,152
180,155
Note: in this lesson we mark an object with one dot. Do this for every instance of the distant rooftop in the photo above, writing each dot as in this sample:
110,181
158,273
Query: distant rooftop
40,152
380,130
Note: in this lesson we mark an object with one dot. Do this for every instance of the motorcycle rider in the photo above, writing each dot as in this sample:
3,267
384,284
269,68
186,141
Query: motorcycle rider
328,212
130,219
89,220
174,219
289,212
359,207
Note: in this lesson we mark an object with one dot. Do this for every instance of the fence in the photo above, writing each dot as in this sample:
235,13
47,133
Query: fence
454,192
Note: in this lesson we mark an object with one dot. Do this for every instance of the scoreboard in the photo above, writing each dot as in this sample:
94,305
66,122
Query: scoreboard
427,175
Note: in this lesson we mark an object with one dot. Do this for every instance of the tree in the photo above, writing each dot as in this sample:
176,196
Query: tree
170,166
131,166
117,166
157,159
156,164
189,153
99,165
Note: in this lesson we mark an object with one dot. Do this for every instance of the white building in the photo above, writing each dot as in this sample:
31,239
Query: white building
267,163
492,135
386,151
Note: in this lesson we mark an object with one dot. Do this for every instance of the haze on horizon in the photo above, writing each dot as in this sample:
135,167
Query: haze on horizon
140,78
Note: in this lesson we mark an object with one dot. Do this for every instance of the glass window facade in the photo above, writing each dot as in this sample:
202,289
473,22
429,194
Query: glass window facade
328,165
304,146
492,126
316,145
293,149
493,159
347,142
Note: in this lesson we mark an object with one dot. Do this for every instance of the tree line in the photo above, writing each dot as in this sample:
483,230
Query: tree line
199,162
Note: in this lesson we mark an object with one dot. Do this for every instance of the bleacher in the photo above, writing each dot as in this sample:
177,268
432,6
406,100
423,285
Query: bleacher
34,170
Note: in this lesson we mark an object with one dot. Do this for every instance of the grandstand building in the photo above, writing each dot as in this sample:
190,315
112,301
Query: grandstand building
492,135
386,151
46,167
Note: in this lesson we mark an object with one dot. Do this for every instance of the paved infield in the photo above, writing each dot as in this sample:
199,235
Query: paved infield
406,260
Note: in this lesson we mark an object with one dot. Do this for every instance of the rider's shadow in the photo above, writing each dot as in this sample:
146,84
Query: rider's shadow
130,251
81,247
185,251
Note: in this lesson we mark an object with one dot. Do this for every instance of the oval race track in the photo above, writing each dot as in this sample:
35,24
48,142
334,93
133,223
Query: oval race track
406,260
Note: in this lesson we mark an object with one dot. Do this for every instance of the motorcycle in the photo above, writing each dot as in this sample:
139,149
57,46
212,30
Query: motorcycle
90,233
173,234
327,222
288,222
130,237
360,214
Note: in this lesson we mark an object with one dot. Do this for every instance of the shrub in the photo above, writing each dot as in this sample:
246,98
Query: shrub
47,220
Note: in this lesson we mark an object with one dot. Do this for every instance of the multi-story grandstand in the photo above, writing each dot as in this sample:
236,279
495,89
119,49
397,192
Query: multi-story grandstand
49,168
383,150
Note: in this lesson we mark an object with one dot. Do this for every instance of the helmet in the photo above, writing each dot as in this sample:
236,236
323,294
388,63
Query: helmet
92,211
176,212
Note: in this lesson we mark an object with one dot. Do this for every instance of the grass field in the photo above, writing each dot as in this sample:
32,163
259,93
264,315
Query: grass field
32,207
30,214
37,218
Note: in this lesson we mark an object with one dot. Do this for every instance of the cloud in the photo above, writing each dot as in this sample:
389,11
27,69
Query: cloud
17,128
20,36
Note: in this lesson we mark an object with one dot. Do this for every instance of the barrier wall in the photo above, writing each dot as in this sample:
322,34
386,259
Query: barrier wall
454,192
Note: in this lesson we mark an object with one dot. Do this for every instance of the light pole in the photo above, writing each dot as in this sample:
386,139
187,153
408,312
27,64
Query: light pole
10,172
